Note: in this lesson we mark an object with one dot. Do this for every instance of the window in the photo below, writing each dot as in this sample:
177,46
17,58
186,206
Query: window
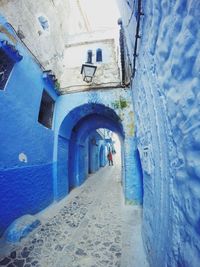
98,55
46,110
6,66
89,56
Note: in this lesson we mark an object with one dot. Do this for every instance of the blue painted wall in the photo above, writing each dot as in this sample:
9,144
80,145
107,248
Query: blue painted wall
133,189
96,144
167,110
102,154
25,187
63,170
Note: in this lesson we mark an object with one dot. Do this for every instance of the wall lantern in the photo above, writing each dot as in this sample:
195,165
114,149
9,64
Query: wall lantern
88,71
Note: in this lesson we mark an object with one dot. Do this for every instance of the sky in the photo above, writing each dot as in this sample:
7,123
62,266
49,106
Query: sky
101,14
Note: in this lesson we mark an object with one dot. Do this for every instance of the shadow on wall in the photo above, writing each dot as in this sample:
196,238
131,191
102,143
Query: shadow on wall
140,172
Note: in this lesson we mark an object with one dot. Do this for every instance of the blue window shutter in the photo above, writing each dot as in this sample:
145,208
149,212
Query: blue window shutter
89,56
98,55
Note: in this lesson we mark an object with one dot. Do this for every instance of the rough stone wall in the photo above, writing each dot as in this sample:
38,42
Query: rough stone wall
46,43
166,102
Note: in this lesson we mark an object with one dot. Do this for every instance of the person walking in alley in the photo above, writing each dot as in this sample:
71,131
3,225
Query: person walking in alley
110,159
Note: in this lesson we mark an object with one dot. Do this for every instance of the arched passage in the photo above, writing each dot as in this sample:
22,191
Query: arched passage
73,142
75,149
80,136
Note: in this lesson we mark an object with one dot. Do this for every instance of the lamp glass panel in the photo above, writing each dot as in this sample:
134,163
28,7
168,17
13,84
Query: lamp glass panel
89,71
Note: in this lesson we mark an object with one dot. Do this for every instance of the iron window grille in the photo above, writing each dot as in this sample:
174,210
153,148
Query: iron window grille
9,55
46,110
6,66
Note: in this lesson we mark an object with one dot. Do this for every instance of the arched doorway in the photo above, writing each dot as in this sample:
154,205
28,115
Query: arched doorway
74,143
82,136
76,149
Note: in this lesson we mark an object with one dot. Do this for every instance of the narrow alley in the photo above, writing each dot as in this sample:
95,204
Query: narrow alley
83,83
91,227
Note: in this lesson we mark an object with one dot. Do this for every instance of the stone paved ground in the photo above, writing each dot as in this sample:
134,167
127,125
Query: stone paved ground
90,228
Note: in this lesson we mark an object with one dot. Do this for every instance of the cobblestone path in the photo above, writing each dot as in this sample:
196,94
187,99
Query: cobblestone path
84,231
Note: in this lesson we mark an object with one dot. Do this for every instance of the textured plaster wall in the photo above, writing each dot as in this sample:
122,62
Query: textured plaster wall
166,102
107,73
49,27
47,44
26,153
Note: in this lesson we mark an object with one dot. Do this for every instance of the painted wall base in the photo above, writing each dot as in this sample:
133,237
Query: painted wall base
31,186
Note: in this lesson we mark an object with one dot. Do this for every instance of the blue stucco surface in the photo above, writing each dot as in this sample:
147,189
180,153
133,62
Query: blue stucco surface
26,186
20,228
166,103
63,183
102,154
133,188
24,190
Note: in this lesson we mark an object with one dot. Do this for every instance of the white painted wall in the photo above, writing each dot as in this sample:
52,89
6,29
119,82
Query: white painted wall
72,30
107,73
47,45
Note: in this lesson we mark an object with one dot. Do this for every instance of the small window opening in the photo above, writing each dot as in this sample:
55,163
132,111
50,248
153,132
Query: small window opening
46,110
99,55
44,23
89,56
6,66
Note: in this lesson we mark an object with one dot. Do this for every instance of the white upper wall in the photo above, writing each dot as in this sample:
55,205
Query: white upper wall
101,31
43,24
107,73
76,55
53,30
